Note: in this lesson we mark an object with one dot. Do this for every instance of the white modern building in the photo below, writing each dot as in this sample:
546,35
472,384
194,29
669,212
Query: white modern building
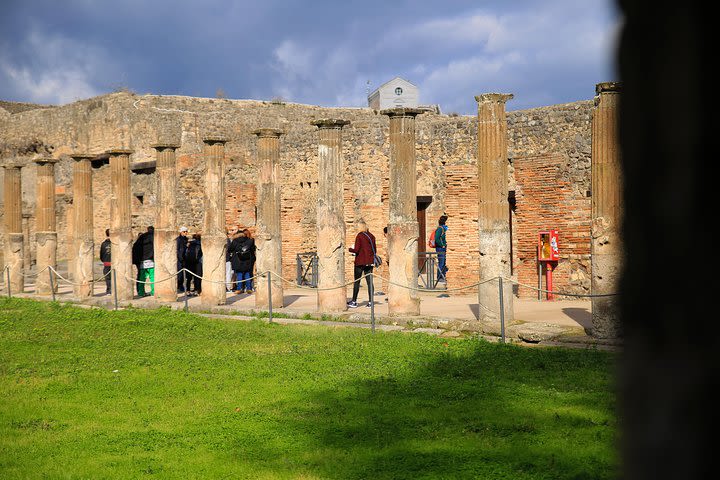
396,93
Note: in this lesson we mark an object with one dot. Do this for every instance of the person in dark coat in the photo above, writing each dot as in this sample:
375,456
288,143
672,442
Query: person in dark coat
364,250
181,244
136,255
193,262
143,257
105,258
242,250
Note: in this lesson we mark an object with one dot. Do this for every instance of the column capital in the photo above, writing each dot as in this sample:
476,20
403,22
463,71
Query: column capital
165,145
11,165
45,160
78,157
494,97
401,112
268,132
608,87
114,152
325,123
211,139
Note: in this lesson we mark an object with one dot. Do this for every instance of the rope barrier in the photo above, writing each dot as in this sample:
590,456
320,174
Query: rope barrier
318,289
223,282
33,274
555,292
291,282
94,280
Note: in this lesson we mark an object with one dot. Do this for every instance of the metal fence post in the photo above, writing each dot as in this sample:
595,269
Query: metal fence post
7,281
114,281
502,309
52,285
372,302
269,280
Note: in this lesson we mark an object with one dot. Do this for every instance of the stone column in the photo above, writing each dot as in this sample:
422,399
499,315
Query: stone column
214,238
606,210
83,244
493,218
268,238
121,237
13,226
403,226
331,217
166,223
45,224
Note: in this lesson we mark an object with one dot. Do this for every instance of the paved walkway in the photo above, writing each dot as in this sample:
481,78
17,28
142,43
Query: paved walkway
534,320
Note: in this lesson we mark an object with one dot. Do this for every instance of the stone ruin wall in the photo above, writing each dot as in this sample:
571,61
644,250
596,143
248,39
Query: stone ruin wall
549,150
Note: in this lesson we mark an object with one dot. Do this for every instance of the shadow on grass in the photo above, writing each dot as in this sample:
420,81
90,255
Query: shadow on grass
498,412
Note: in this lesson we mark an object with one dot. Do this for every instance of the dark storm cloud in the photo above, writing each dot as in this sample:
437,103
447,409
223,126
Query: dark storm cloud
317,52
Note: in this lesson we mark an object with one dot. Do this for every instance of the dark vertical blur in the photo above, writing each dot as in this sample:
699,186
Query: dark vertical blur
670,363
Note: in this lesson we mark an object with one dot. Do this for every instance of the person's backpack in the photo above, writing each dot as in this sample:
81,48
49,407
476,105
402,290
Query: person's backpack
431,241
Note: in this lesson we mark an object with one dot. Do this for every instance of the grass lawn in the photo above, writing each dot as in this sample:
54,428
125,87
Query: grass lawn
160,394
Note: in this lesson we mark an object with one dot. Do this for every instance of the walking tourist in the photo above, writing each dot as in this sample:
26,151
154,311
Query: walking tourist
441,248
364,250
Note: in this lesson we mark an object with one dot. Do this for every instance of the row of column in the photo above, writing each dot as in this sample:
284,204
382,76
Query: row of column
493,225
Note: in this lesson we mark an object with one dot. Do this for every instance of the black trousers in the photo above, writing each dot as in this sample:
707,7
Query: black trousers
108,277
358,272
180,277
193,279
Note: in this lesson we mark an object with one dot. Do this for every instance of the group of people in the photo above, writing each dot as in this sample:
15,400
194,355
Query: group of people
365,250
190,258
240,260
143,257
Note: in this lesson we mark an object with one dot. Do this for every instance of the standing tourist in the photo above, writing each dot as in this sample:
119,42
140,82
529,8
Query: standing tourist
243,260
146,262
181,245
105,249
441,248
364,250
193,262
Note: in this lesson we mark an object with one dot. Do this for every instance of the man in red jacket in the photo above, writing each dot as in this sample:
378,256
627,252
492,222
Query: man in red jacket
364,250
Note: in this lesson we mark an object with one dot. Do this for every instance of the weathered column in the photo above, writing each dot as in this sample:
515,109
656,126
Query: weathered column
45,224
331,217
214,239
166,223
403,227
268,239
13,226
493,218
121,223
83,244
606,210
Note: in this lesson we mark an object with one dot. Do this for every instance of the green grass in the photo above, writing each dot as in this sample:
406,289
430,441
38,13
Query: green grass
161,394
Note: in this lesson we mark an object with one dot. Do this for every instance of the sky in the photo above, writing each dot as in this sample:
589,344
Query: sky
318,52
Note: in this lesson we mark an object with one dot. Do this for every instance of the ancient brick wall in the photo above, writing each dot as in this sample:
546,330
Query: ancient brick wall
446,158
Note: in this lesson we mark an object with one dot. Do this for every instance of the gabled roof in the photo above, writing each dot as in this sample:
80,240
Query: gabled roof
390,81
